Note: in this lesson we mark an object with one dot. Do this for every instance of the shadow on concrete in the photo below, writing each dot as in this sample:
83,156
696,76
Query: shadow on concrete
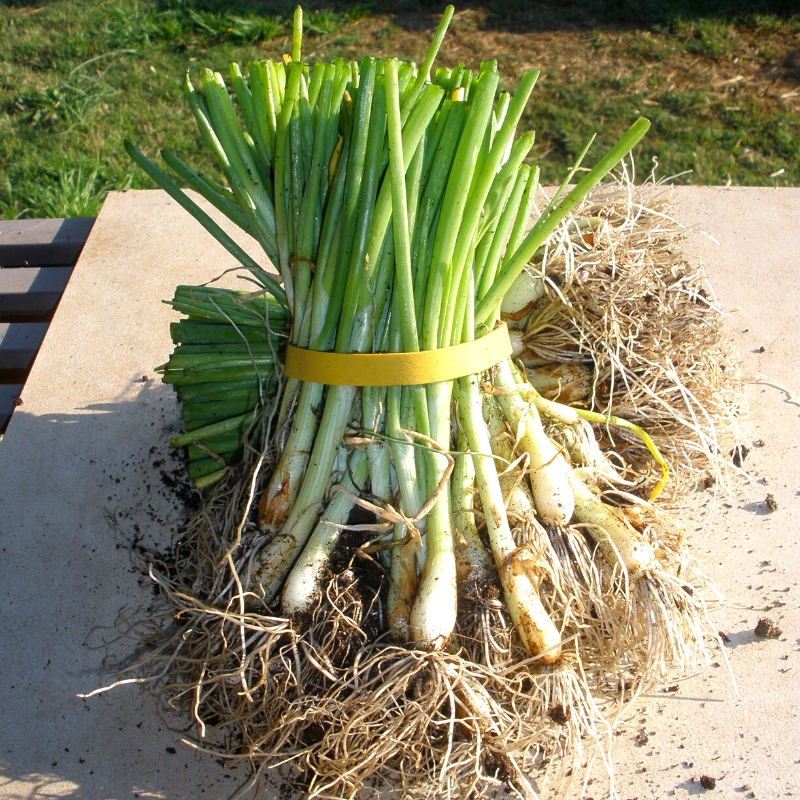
78,490
758,507
691,786
739,638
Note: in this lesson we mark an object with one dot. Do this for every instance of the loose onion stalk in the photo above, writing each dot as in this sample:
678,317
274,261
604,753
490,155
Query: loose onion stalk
615,536
223,368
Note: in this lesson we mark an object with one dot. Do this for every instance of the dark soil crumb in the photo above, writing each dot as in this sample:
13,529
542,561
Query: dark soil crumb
707,782
724,637
498,765
772,503
560,714
313,733
739,454
178,480
285,791
707,482
767,629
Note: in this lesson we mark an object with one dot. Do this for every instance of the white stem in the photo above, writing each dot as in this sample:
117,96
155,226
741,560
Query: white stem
517,576
550,473
618,541
403,588
303,585
277,558
433,615
516,491
279,496
474,566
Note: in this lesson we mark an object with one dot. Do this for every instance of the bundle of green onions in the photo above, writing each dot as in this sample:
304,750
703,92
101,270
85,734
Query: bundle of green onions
396,210
223,369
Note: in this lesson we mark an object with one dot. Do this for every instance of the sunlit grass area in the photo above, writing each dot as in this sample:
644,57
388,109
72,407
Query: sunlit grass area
78,76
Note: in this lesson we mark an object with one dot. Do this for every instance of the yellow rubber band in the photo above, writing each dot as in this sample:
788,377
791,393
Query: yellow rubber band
398,369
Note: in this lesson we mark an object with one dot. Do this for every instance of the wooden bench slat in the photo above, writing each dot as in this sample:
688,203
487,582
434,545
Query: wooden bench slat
42,242
19,344
32,290
8,392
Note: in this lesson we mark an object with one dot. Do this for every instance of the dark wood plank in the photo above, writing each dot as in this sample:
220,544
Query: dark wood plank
42,242
19,344
31,292
8,394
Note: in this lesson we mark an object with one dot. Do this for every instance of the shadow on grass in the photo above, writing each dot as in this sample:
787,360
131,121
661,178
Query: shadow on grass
518,15
515,15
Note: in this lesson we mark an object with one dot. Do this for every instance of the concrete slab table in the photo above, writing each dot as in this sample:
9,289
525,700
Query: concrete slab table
83,466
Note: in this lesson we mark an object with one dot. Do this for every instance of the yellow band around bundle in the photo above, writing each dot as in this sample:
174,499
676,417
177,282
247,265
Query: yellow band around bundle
398,369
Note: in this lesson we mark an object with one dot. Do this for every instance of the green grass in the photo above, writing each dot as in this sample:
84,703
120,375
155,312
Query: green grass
78,76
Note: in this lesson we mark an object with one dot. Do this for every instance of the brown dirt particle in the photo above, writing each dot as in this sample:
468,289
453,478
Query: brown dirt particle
772,503
499,766
739,454
767,629
707,782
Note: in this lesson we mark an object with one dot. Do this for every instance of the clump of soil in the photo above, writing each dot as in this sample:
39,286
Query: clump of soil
499,766
707,782
767,629
560,714
739,454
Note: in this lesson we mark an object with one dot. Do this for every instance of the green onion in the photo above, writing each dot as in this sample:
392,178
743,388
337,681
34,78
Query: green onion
395,211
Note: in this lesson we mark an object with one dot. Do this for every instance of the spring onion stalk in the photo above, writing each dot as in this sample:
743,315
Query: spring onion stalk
616,538
518,498
403,587
550,473
433,612
497,238
474,566
521,222
518,579
545,226
611,419
304,584
572,416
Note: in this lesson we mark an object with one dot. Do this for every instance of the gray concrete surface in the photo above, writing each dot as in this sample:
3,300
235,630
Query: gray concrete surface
79,470
749,743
